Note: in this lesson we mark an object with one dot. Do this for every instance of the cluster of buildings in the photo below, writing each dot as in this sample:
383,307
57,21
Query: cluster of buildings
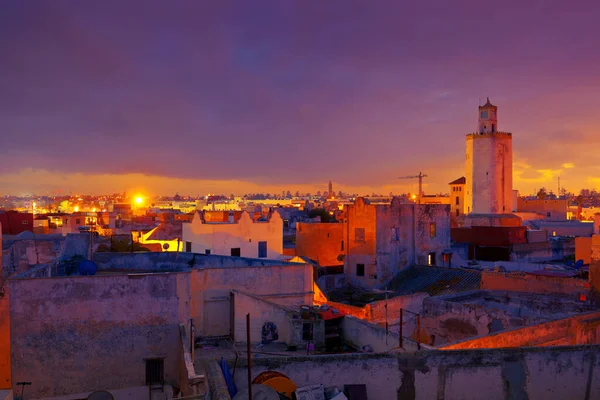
478,295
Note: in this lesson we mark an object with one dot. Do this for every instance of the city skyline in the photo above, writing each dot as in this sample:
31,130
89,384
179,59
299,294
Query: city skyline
270,97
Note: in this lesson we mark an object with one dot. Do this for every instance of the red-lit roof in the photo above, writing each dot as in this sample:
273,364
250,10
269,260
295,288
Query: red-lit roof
329,314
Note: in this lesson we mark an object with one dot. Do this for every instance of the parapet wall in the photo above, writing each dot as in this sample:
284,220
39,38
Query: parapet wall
577,330
530,373
522,282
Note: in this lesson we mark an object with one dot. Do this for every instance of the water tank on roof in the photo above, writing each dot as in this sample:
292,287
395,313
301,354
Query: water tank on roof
87,267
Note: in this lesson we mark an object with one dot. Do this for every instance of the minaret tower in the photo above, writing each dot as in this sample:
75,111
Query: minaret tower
488,166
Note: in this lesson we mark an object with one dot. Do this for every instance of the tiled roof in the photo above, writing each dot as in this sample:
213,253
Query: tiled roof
460,181
435,280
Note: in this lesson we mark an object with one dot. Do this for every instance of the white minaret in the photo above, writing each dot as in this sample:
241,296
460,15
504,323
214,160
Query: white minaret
488,166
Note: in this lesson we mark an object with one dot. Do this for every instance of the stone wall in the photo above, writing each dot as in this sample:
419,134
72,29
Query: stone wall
531,373
321,242
78,334
523,282
577,330
457,317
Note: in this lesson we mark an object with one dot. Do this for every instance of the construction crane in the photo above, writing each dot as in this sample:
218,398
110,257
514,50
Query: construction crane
420,178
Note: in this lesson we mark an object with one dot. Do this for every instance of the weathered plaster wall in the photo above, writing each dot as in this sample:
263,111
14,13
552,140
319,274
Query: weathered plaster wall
361,215
556,208
523,282
539,252
245,234
397,235
489,173
261,312
454,318
109,324
211,287
594,275
576,330
321,242
583,249
533,373
359,333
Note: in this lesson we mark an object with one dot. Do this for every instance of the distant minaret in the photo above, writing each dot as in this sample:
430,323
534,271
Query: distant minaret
488,166
330,190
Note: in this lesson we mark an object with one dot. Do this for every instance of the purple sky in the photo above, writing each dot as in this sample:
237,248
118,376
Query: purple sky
265,95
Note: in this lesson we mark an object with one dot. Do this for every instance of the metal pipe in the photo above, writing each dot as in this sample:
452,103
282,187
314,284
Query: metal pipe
249,357
418,331
400,344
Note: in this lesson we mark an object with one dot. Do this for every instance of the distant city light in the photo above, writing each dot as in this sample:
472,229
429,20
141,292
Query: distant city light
139,200
76,208
414,196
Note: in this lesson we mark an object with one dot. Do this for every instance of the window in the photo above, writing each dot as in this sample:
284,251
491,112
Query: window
548,214
457,200
359,234
457,212
342,249
307,332
360,269
460,188
431,259
206,251
236,252
155,368
395,234
25,222
262,249
286,223
78,221
188,247
432,230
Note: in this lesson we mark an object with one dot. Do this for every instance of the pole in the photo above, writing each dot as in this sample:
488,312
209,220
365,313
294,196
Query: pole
386,318
400,344
418,331
249,357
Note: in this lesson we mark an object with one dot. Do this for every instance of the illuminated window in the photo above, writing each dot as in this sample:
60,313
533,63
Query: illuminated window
431,259
432,230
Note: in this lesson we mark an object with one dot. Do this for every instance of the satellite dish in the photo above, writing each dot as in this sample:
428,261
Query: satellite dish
100,395
87,267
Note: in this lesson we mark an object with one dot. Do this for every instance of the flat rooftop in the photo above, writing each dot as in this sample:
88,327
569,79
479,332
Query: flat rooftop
520,304
150,262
